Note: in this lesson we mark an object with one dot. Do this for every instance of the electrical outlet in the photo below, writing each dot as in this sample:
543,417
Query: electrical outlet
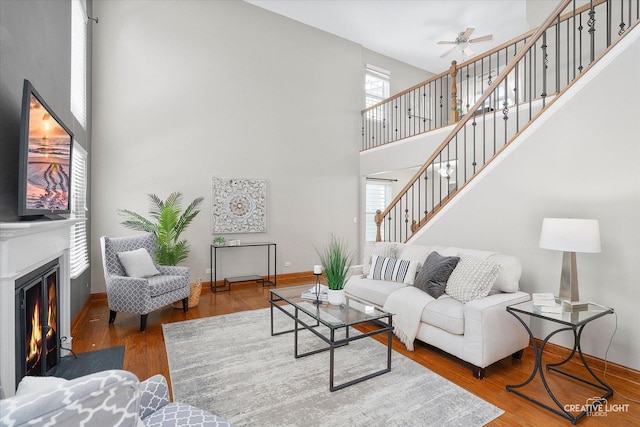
287,263
208,271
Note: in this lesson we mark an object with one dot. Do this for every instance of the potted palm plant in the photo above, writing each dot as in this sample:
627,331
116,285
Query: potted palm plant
336,260
167,223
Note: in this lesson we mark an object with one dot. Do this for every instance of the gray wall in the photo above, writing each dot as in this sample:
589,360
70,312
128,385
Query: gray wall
190,90
35,44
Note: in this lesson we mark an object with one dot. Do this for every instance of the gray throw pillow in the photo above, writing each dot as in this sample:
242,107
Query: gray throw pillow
435,272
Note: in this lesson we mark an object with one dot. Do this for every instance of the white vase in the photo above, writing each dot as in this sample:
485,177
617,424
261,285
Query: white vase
335,297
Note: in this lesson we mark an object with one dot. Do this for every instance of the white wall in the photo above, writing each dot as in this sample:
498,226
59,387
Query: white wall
189,90
579,160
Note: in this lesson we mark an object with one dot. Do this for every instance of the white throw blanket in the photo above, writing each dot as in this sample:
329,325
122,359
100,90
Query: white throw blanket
407,305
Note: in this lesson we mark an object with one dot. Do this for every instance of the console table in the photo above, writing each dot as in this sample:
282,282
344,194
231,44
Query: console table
566,321
213,261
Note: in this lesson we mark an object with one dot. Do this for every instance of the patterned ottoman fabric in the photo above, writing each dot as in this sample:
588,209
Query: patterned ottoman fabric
107,398
181,414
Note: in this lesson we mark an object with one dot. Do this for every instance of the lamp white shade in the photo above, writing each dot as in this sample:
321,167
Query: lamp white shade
570,235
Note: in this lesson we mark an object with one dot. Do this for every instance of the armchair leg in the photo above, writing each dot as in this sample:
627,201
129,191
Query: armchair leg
143,322
517,355
185,304
112,316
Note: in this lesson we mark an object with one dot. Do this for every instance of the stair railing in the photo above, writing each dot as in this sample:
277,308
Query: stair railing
419,109
551,60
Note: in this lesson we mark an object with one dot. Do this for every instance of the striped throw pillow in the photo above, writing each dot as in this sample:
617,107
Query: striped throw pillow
393,270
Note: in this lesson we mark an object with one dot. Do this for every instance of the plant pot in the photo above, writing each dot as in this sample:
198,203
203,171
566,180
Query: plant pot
335,297
194,296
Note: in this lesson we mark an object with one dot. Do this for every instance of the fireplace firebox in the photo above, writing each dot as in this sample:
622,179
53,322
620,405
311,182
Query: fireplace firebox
37,307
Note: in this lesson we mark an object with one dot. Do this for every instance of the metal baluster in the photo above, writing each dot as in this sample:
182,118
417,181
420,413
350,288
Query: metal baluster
622,24
580,28
568,54
592,32
557,65
426,193
544,69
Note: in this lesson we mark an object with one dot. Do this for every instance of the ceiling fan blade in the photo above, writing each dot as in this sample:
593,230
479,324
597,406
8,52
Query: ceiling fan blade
445,42
481,39
467,33
448,52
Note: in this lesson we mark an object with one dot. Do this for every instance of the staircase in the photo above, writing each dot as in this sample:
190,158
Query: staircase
492,99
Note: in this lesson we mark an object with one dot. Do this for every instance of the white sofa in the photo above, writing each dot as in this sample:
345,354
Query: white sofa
480,331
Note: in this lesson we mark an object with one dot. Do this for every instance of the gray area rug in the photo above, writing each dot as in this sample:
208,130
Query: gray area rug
231,365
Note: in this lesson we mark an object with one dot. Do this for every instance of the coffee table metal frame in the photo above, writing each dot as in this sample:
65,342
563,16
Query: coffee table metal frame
291,296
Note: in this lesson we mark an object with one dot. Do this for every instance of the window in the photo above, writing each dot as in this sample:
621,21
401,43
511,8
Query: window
79,249
378,196
79,61
376,85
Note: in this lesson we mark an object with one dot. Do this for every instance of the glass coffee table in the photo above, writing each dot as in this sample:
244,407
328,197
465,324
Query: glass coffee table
307,315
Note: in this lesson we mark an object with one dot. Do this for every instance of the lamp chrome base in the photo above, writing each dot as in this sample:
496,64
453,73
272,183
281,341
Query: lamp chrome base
574,305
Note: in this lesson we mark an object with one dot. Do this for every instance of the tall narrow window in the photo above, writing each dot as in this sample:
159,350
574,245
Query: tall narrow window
376,85
79,61
79,249
378,196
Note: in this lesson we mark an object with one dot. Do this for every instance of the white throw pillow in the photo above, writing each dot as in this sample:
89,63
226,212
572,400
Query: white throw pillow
138,263
472,278
393,270
30,384
386,249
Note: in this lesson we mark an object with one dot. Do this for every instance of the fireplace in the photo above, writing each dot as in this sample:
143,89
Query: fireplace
27,247
37,338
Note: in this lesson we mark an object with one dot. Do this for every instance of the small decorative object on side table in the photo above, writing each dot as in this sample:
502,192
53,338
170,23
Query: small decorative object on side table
574,321
317,271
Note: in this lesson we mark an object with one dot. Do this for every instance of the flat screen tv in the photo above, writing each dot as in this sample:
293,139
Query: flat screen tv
45,160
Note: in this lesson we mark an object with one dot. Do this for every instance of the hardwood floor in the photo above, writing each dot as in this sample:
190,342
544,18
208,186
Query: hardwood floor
145,356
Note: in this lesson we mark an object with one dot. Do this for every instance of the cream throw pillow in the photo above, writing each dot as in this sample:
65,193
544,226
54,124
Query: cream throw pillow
138,263
472,278
385,249
30,384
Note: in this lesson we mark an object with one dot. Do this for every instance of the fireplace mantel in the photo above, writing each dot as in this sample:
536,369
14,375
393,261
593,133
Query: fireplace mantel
25,246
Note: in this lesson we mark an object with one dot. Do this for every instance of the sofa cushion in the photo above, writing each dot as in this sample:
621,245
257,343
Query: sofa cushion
373,291
434,273
415,253
386,249
445,313
509,275
472,278
160,285
396,270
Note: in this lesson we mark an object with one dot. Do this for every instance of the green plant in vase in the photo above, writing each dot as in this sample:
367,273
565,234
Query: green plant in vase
167,224
336,260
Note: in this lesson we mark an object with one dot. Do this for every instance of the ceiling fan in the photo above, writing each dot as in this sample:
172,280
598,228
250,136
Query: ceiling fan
463,42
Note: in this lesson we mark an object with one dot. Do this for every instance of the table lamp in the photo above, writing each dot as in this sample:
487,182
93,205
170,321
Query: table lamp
570,235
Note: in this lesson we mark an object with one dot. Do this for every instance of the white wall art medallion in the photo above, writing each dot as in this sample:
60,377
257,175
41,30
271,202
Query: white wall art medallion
238,205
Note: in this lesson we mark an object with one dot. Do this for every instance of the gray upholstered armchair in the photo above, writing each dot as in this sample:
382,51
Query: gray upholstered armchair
107,398
141,293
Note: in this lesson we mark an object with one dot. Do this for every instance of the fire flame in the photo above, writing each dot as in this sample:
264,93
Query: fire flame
36,334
